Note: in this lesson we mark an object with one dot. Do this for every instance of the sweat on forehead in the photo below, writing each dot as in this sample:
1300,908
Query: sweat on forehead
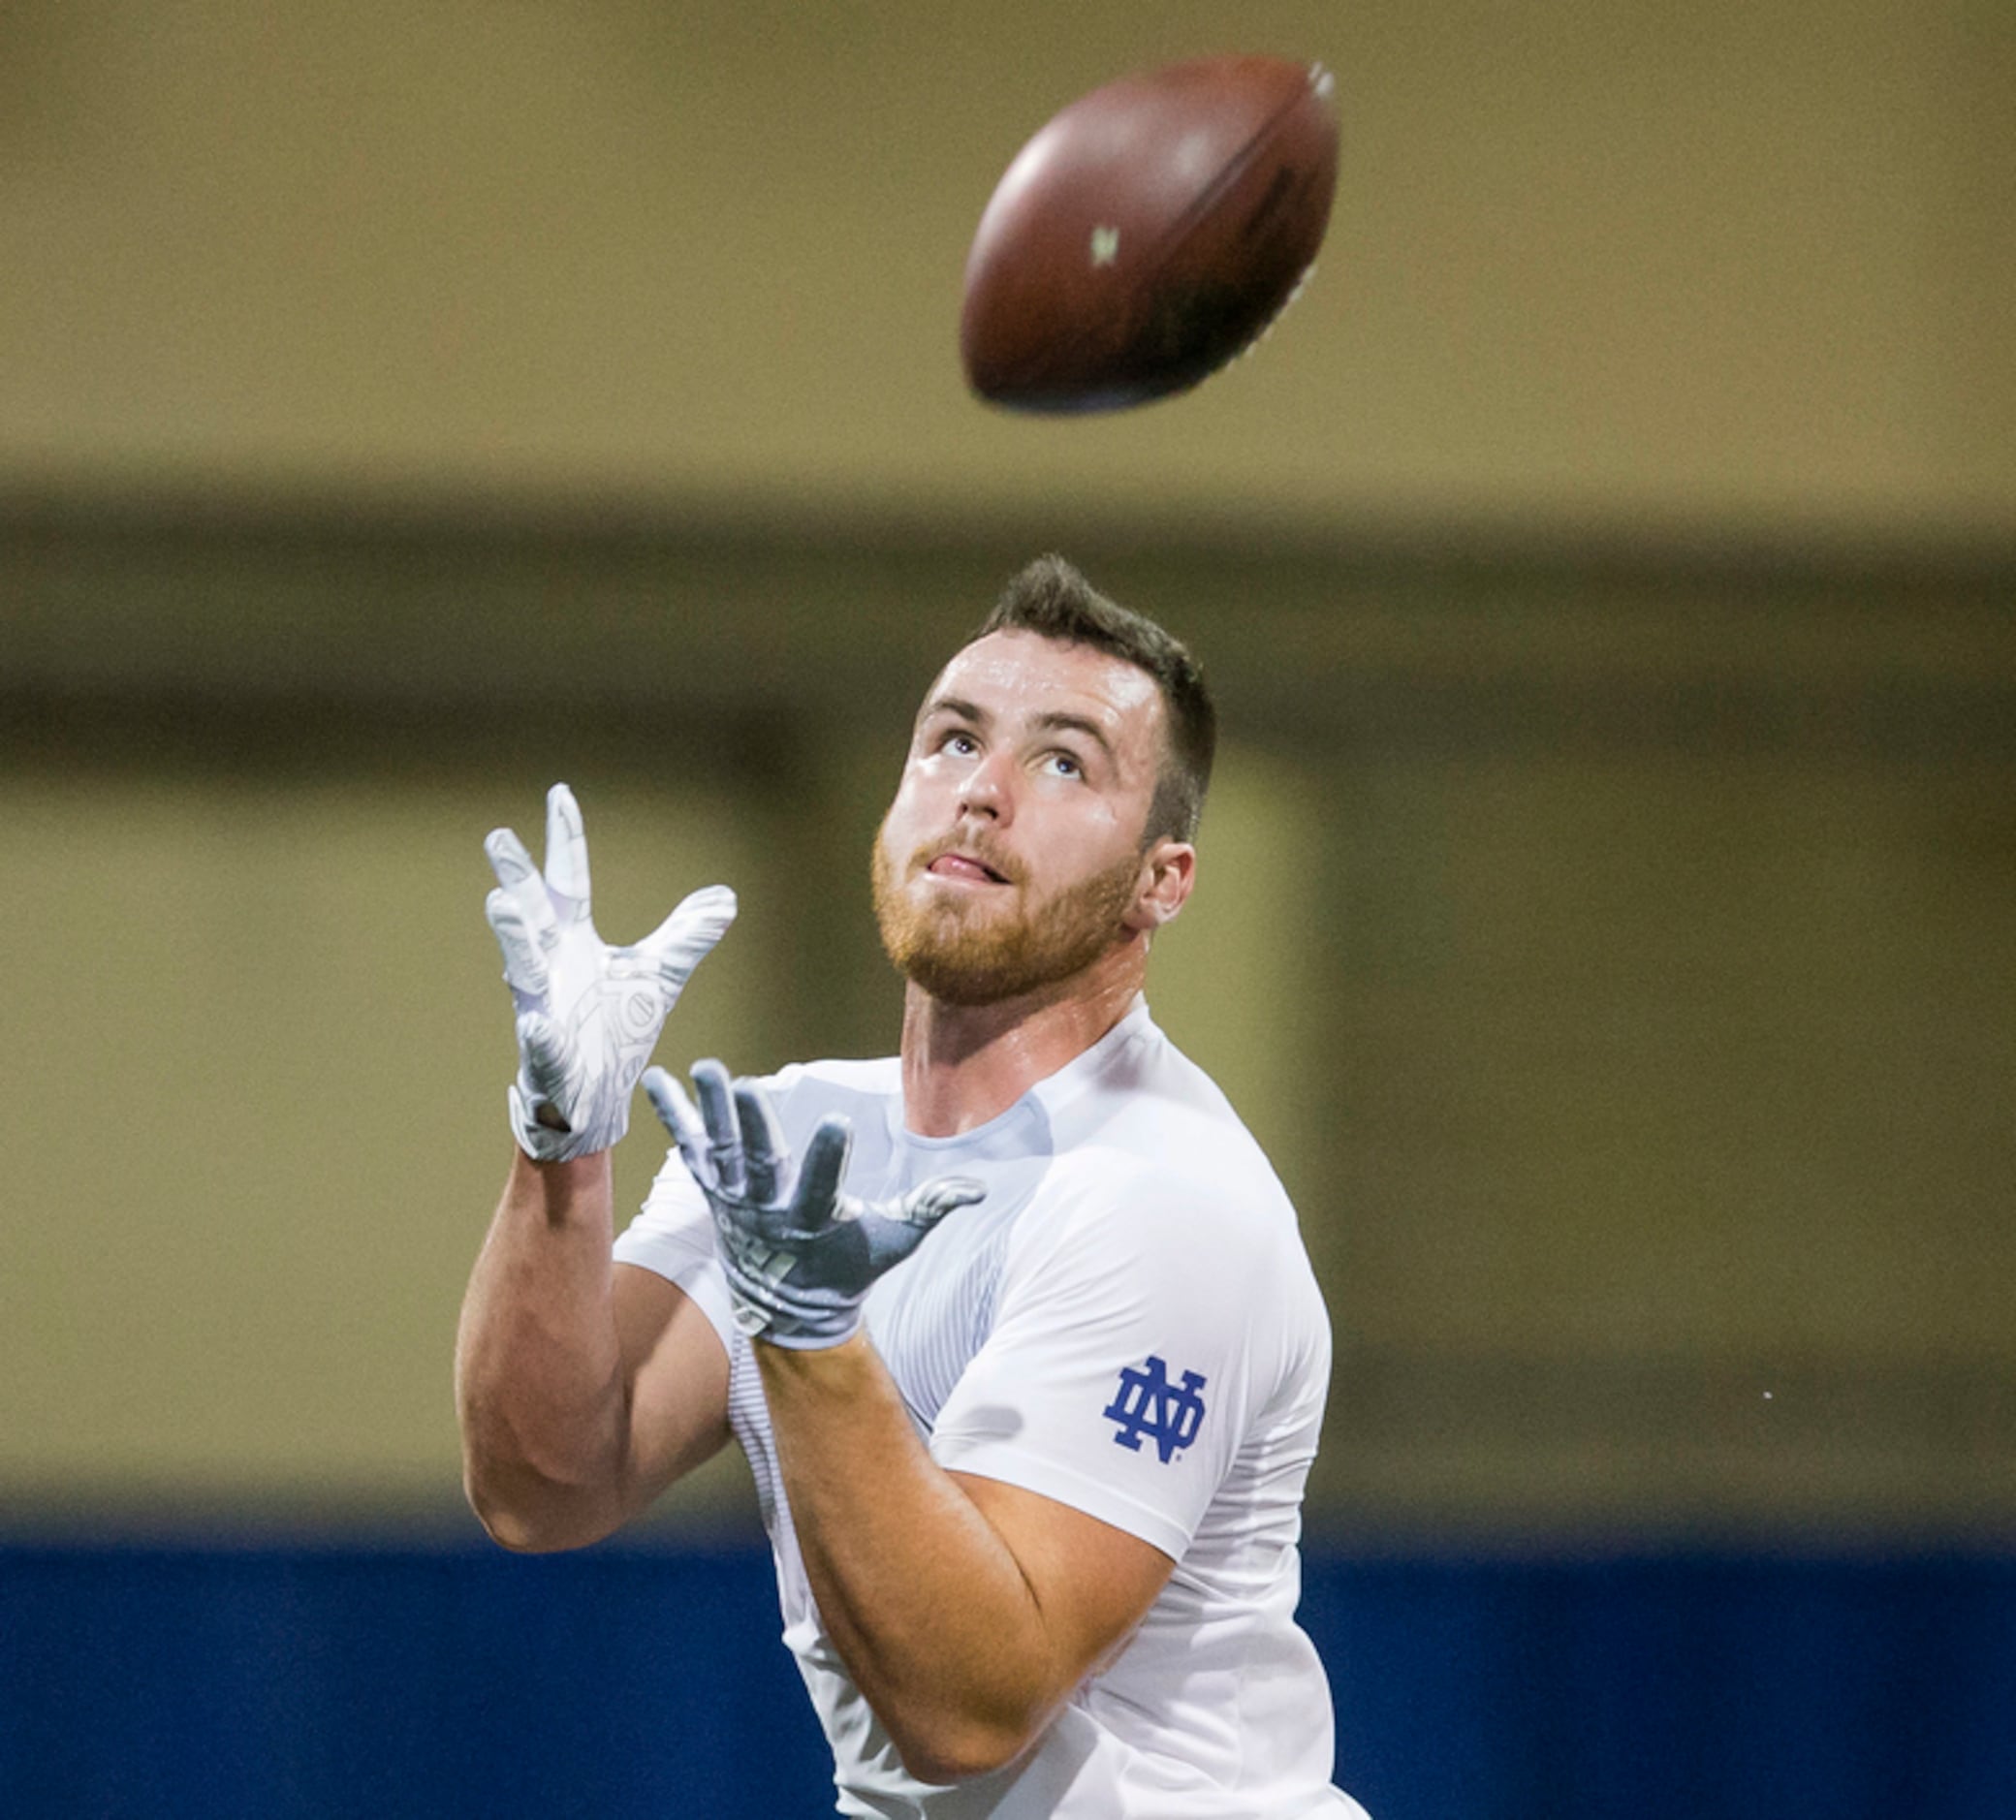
1016,672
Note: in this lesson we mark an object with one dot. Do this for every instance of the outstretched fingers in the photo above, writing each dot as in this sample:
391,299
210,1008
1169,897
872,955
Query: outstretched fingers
519,878
680,943
525,964
724,1132
680,1117
566,854
818,1193
766,1156
891,1234
929,1202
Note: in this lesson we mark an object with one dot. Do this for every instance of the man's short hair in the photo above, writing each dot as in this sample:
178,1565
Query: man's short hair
1052,599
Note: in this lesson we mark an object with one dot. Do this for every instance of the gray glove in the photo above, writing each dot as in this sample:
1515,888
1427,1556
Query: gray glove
800,1256
588,1015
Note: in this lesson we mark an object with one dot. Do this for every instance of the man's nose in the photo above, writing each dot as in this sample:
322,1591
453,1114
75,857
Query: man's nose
988,789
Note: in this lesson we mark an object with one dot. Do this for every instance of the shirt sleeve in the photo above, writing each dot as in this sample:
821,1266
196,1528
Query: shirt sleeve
1118,1377
674,1236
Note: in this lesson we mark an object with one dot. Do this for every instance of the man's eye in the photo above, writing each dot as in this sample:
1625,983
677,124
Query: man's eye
1065,766
961,743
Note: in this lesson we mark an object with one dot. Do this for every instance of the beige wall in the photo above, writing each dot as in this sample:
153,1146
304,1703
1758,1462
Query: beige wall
1631,263
263,1155
1617,962
1606,569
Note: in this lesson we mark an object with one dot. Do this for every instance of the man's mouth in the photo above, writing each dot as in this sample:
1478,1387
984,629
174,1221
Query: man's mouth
962,865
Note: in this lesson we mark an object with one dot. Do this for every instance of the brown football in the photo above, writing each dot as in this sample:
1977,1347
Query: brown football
1154,229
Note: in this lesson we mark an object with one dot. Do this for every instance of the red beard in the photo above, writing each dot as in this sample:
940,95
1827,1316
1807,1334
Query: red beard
984,948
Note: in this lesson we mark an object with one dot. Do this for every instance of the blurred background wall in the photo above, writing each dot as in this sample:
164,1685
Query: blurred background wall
1606,570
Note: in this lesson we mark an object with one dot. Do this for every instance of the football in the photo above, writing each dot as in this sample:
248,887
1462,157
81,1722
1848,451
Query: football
1151,231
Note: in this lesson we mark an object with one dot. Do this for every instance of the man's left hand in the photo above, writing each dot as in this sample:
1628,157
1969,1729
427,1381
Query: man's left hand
800,1255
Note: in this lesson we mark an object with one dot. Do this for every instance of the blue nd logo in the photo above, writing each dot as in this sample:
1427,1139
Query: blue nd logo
1147,1404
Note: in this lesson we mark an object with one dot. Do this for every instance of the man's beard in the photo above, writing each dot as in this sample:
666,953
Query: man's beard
964,950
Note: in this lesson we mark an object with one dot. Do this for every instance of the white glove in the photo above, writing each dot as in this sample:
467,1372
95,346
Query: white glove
800,1256
588,1015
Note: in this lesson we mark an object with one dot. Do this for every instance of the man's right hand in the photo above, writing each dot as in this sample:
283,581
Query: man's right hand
588,1015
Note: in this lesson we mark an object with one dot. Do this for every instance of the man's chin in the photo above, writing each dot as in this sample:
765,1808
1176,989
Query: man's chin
968,988
952,958
971,964
958,953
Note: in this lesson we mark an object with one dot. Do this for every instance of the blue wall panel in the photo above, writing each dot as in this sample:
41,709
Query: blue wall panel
317,1681
326,1680
1710,1688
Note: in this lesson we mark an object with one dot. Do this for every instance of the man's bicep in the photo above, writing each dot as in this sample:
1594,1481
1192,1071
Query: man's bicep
1092,1583
676,1370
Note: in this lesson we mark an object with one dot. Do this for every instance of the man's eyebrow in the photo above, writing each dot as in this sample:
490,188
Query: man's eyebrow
1058,722
957,707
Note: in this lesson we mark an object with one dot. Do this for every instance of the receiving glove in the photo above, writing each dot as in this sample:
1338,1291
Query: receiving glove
800,1255
588,1015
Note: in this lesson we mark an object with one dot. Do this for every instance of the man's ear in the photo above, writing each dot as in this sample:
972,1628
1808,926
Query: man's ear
1168,871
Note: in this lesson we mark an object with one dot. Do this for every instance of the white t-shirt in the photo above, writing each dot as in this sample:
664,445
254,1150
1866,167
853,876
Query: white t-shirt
1126,1324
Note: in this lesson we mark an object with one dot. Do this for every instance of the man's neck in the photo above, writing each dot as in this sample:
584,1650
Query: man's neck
965,1065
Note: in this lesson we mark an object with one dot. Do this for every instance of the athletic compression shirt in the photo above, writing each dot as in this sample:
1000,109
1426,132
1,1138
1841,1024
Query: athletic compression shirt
1127,1324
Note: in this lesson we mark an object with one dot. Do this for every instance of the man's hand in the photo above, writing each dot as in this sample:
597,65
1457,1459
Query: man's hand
588,1015
800,1256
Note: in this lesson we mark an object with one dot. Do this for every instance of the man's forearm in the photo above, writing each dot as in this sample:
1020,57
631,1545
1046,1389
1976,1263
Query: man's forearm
927,1605
539,1385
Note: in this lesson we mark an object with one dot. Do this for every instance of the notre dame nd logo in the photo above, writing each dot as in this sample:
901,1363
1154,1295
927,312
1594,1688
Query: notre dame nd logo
1147,1404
